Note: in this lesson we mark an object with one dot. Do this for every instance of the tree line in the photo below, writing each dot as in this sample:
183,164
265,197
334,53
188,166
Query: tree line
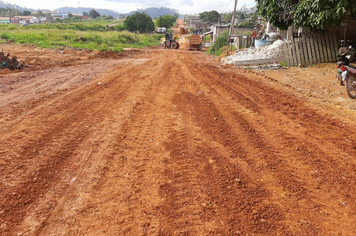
311,15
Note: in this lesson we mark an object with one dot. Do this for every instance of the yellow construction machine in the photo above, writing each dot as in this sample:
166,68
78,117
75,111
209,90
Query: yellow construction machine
170,41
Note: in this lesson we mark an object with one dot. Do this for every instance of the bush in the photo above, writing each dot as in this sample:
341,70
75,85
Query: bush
220,42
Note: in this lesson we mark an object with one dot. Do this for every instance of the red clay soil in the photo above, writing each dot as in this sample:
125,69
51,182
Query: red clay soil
168,142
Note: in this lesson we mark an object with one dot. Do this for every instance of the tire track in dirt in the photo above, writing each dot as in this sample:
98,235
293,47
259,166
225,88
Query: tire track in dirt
283,166
120,194
172,144
71,124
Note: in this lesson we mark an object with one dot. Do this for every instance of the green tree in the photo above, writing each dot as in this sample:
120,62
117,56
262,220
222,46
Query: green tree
26,13
39,13
166,21
94,14
310,14
70,15
220,42
85,14
227,17
211,16
139,22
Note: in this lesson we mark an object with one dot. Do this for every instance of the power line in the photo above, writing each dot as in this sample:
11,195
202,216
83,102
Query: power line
227,5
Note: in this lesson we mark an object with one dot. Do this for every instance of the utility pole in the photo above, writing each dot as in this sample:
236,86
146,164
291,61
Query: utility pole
78,7
232,26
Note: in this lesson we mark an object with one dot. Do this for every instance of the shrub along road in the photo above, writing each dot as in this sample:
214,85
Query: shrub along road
167,142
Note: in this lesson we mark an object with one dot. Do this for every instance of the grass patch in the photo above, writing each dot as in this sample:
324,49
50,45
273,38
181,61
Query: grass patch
93,40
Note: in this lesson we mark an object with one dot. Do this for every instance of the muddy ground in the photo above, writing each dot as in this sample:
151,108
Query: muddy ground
170,142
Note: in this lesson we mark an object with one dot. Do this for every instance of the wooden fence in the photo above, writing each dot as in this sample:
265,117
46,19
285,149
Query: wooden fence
242,41
311,49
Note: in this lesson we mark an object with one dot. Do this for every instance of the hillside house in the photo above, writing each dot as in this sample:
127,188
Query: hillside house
14,20
4,20
27,19
59,15
217,30
34,20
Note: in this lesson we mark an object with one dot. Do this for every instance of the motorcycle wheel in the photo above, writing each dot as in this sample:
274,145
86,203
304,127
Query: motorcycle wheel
351,86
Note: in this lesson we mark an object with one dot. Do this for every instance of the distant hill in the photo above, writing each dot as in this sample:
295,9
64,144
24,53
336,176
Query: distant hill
5,5
155,12
87,9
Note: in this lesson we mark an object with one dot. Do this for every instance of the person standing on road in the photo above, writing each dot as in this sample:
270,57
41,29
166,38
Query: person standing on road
253,36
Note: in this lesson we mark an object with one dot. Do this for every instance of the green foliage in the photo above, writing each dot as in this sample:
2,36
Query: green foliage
94,14
9,12
211,16
105,17
81,26
54,38
311,15
26,13
139,22
166,21
220,42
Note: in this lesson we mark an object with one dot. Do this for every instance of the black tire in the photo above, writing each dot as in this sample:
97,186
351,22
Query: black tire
177,45
174,45
351,86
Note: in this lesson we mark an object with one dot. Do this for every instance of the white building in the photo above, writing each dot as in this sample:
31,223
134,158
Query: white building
34,20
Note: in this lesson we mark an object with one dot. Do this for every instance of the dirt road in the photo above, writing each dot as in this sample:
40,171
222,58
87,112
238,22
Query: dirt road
167,142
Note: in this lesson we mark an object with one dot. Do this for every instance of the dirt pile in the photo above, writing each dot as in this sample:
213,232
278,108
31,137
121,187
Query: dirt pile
10,63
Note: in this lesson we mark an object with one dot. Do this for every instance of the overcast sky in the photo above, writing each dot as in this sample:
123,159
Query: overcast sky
125,6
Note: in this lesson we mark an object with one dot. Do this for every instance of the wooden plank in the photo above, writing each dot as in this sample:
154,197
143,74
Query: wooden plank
297,52
336,47
301,49
290,45
331,42
292,52
320,47
312,47
290,55
286,53
306,54
332,51
309,51
328,47
323,42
